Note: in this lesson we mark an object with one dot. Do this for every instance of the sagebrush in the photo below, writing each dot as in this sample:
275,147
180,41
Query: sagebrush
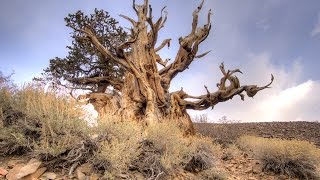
295,158
39,123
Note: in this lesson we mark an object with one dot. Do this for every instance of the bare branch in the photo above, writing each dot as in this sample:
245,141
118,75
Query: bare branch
209,17
165,18
134,6
122,47
252,90
159,22
133,22
104,50
155,27
224,93
189,46
163,44
195,17
202,55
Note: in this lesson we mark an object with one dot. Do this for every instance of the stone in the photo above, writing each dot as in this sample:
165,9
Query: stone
252,178
249,170
36,174
138,175
86,168
31,167
94,177
3,171
13,162
80,175
282,177
49,175
14,171
256,169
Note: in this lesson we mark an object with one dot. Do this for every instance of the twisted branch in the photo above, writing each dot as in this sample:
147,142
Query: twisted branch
224,93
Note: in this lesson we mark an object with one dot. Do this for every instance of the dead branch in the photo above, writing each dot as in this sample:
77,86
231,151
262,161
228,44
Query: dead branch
103,50
133,22
224,93
163,44
189,46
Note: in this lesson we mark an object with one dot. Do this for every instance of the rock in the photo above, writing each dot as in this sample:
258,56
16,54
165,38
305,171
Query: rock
3,171
240,166
282,177
256,169
36,174
249,170
80,175
252,178
49,175
31,167
13,162
86,168
94,177
234,162
14,171
138,175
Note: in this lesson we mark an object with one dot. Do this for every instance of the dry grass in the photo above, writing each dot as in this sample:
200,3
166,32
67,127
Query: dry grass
231,152
43,124
213,174
39,123
155,151
120,145
194,153
298,159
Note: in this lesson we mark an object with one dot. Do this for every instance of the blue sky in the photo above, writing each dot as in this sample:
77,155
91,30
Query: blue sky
260,37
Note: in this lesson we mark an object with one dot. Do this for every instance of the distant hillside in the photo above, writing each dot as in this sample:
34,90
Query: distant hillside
227,133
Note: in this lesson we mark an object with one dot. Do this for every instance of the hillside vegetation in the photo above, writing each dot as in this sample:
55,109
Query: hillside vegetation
48,128
40,124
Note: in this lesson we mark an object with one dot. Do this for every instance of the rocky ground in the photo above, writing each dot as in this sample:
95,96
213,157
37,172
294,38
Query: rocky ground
240,167
234,163
228,133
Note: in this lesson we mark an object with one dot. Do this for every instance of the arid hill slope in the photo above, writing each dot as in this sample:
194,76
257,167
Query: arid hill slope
227,133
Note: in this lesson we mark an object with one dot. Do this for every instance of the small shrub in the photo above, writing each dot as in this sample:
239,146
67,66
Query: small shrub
12,142
213,174
194,153
298,159
49,126
231,152
42,123
121,147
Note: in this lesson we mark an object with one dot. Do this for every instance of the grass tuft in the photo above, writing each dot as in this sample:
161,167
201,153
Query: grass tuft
297,159
39,123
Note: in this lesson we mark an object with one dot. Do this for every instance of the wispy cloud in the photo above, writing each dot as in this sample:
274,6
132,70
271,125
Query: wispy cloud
316,30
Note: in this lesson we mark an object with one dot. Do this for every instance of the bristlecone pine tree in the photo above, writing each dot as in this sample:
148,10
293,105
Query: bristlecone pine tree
142,93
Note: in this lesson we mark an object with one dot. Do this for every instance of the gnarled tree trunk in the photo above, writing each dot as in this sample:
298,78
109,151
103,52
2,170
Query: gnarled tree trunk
144,93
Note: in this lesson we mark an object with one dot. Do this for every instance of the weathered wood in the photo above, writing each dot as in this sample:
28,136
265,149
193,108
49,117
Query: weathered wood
144,94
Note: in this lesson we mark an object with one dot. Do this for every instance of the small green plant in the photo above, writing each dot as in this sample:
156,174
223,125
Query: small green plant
297,159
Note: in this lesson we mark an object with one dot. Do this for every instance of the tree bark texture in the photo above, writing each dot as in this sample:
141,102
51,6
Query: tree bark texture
143,94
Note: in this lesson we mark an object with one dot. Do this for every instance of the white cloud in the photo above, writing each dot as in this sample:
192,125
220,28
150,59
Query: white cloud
316,30
289,99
